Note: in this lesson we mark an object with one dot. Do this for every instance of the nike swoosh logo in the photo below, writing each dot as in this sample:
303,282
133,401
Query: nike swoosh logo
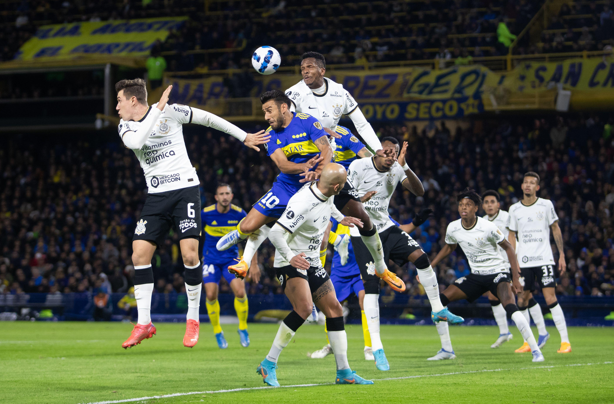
312,108
350,381
366,182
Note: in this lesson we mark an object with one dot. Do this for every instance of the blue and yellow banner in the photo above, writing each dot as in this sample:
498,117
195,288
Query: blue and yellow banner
422,110
97,39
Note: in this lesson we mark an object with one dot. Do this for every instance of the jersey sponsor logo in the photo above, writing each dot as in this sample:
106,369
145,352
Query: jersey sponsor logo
290,214
164,128
526,259
410,241
158,156
321,273
182,110
318,125
337,110
350,101
325,115
298,219
336,94
476,259
530,238
187,224
165,179
140,227
529,220
156,146
302,271
546,280
499,277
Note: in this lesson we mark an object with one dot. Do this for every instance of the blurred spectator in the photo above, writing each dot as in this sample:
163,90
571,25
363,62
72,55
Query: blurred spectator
128,305
465,58
504,35
156,65
102,312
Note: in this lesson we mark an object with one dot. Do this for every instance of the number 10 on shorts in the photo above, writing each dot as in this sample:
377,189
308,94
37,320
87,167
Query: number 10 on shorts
269,200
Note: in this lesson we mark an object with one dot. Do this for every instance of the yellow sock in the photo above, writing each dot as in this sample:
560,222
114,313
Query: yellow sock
213,309
365,330
323,257
332,237
242,311
326,331
241,234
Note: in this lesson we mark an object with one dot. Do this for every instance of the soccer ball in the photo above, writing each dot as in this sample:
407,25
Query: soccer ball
266,60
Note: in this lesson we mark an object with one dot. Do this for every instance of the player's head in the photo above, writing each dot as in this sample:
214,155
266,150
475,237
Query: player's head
530,184
391,148
469,202
130,94
313,67
223,194
332,179
276,107
491,202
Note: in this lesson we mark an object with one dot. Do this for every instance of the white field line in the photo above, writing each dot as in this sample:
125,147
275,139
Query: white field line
129,400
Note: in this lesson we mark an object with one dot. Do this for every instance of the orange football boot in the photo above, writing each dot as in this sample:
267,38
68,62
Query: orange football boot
393,280
191,334
239,269
139,333
565,348
524,348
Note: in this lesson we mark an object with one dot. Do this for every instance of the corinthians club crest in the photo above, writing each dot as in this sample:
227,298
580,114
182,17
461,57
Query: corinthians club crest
337,110
164,128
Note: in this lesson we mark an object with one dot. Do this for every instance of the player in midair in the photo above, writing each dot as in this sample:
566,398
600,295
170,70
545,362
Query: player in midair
155,135
481,242
380,177
297,236
297,139
492,206
218,220
530,223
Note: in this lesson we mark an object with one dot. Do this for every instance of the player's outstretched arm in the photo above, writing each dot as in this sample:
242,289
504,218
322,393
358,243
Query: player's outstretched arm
210,120
443,253
364,153
365,130
413,183
558,239
288,167
279,238
417,222
511,256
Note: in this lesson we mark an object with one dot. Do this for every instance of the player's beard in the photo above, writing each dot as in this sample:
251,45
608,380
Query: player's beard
279,123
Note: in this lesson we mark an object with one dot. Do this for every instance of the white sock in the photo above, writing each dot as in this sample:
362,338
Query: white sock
523,326
371,305
527,317
428,279
193,292
444,335
253,243
559,321
501,318
282,339
538,319
339,343
142,294
374,245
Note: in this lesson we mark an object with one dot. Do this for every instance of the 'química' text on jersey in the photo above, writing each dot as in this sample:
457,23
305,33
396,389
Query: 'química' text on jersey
347,147
532,226
164,157
297,141
216,225
480,244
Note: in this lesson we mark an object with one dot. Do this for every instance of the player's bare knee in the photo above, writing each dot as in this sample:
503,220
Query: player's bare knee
211,296
303,309
240,293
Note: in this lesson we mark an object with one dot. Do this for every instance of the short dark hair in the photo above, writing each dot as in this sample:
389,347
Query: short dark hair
133,88
390,139
320,61
532,174
276,95
492,192
470,194
221,185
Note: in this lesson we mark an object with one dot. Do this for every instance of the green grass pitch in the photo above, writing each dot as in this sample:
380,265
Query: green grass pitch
84,363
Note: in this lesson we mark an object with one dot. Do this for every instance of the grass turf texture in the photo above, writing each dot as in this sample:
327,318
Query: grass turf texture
84,362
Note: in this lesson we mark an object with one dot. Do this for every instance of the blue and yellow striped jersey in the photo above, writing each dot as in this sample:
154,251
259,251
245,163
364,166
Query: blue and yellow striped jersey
351,267
297,141
217,225
347,147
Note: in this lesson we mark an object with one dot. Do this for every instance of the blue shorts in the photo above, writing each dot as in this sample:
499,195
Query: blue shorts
346,285
212,273
274,202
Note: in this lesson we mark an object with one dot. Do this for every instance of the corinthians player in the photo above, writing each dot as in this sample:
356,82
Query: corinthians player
530,222
155,135
492,206
481,242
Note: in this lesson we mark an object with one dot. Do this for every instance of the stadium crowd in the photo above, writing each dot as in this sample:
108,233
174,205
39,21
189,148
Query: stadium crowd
68,208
